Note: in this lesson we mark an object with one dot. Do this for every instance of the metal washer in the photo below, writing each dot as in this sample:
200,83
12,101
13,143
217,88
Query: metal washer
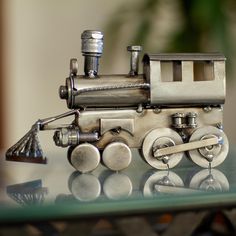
117,156
198,158
147,148
85,157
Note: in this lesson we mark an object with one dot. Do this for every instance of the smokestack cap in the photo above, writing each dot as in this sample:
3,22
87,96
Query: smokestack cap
92,42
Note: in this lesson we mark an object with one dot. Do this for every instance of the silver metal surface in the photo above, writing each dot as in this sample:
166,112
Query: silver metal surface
162,143
144,122
182,91
92,47
211,180
191,120
74,66
92,42
106,91
85,157
43,122
185,57
134,59
65,137
164,178
117,125
182,121
210,150
117,156
117,186
202,145
178,121
148,147
111,87
217,153
159,92
188,88
85,187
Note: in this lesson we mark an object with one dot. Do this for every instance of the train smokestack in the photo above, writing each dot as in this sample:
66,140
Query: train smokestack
92,47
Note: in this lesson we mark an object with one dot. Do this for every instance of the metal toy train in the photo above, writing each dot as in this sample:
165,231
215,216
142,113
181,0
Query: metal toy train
172,109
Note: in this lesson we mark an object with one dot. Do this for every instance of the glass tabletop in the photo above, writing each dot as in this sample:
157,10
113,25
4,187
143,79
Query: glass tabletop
57,191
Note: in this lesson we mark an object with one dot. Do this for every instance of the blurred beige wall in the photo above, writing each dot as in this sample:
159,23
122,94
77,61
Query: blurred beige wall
40,38
2,121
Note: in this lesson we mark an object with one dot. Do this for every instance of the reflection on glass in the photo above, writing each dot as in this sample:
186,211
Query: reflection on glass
167,182
160,180
117,186
28,193
84,187
111,185
211,180
88,187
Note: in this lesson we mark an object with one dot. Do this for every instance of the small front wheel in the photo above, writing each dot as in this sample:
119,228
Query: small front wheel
85,157
117,156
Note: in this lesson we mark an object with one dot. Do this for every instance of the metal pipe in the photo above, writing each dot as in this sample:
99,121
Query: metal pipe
134,59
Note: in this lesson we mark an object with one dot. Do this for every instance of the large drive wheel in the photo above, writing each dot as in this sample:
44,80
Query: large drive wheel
161,138
211,155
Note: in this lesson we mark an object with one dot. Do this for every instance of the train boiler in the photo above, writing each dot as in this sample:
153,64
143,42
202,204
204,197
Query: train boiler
173,109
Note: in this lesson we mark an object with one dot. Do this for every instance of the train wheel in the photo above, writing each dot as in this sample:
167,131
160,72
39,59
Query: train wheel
117,156
210,155
85,157
160,138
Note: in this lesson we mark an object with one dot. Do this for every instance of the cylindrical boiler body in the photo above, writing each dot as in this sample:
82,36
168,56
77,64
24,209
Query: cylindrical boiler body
106,91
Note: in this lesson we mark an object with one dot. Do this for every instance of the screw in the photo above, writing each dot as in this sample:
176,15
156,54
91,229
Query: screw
207,109
157,110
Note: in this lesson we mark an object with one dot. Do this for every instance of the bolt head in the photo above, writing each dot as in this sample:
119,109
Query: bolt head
92,43
63,92
207,109
178,115
135,48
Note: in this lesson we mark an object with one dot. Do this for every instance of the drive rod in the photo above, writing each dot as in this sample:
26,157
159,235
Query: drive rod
186,147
